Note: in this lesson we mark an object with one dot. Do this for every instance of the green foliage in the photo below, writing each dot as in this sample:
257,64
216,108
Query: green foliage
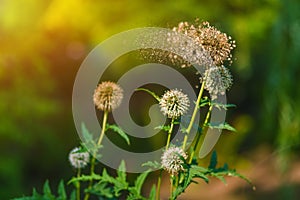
221,172
213,160
223,106
152,193
193,171
118,130
224,125
109,187
165,128
152,164
85,133
204,101
85,178
135,190
48,195
88,141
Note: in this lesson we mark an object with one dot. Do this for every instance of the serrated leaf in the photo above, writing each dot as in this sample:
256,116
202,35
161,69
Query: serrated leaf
224,125
196,172
47,191
213,160
140,181
149,92
118,130
73,195
61,191
85,133
122,171
102,190
85,178
152,164
35,193
221,178
163,127
223,106
119,182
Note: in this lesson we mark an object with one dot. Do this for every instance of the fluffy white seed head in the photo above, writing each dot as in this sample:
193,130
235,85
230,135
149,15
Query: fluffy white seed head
171,160
174,103
217,81
79,158
108,96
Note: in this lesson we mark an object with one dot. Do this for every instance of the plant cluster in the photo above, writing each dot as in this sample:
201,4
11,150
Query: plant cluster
179,161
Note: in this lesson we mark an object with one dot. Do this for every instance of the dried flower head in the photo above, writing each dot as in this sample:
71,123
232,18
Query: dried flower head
108,96
172,160
217,81
79,158
174,103
218,44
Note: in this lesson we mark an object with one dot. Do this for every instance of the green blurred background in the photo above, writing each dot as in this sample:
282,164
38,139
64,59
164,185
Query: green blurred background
42,44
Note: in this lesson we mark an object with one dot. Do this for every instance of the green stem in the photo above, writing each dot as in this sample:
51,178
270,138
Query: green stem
87,195
157,196
199,134
103,128
78,184
171,186
170,133
188,130
167,146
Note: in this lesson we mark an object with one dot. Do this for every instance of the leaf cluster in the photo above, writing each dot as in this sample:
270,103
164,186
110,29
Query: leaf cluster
48,195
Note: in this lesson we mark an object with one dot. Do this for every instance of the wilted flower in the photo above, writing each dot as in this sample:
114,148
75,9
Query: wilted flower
108,96
172,160
218,44
79,158
174,103
217,81
208,46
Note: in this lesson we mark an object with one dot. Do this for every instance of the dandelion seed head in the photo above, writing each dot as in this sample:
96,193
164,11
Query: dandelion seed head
174,103
171,160
108,96
78,158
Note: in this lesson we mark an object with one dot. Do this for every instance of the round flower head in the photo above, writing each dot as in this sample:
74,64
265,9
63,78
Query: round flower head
108,96
174,103
218,44
172,161
79,158
217,81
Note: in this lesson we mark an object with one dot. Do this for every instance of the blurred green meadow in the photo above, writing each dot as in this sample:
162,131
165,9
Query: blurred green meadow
43,43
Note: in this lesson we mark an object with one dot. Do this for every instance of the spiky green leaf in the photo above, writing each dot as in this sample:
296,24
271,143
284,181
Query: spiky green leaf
61,191
152,193
152,164
224,125
140,181
213,160
118,130
163,127
223,106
